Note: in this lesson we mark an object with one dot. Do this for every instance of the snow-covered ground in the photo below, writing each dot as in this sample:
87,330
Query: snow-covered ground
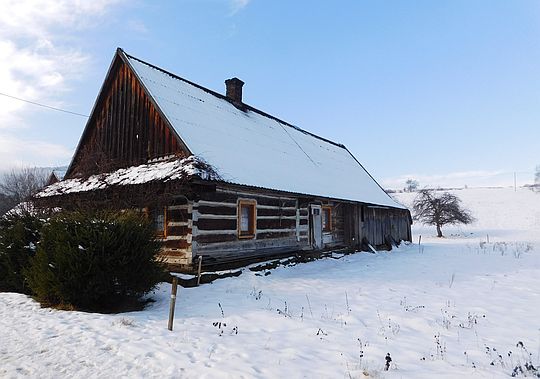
447,309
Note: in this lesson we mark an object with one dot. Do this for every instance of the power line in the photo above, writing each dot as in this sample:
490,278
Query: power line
44,106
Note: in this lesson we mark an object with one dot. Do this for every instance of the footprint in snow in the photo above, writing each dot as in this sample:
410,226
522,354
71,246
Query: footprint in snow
192,358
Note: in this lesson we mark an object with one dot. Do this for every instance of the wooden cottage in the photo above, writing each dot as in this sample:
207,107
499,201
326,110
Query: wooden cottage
221,179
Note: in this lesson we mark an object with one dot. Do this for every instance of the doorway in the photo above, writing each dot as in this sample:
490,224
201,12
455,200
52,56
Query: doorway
315,231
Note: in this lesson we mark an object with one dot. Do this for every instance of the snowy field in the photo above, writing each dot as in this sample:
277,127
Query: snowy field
453,308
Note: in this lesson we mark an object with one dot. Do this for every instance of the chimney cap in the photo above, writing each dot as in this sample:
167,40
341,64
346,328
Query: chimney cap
234,81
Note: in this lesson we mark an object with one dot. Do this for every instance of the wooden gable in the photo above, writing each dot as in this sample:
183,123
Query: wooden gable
125,127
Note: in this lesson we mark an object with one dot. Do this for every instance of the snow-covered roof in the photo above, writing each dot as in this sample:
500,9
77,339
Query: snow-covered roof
20,209
251,148
166,170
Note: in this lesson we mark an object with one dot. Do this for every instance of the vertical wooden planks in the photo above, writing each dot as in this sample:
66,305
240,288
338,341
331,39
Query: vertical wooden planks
126,130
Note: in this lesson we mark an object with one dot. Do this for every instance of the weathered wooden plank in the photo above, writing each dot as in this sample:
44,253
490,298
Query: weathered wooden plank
133,151
179,202
178,244
146,128
231,255
209,203
275,217
175,252
177,237
178,223
217,197
243,246
275,223
260,193
215,224
177,260
122,107
217,217
209,238
275,207
279,230
196,231
177,214
178,230
232,197
125,116
275,234
115,121
217,209
276,211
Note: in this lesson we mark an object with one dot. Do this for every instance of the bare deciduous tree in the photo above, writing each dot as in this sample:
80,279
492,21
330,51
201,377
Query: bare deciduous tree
433,209
19,185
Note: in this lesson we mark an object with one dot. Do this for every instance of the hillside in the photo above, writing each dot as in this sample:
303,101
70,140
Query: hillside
456,307
500,213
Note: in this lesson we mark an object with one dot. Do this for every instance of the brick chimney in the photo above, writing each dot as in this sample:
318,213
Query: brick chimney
234,90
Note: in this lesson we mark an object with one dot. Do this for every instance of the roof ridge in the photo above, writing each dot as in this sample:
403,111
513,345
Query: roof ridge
223,97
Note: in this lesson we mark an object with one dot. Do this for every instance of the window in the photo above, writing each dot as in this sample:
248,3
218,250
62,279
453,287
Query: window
159,220
246,218
327,218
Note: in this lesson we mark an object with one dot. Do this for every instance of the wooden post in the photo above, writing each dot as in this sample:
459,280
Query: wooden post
174,287
199,271
419,243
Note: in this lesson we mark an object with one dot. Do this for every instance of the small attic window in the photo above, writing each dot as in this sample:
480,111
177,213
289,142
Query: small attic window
246,218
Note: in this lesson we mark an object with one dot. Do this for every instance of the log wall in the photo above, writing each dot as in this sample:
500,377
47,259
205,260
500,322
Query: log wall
176,248
281,226
207,226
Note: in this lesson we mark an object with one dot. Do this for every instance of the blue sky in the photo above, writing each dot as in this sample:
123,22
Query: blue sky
447,92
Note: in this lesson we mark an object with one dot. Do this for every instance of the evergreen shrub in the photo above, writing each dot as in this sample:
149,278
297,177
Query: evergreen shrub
19,236
95,260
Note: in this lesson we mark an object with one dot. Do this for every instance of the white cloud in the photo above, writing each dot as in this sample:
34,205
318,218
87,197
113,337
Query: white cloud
238,5
19,152
33,73
38,59
43,18
137,26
